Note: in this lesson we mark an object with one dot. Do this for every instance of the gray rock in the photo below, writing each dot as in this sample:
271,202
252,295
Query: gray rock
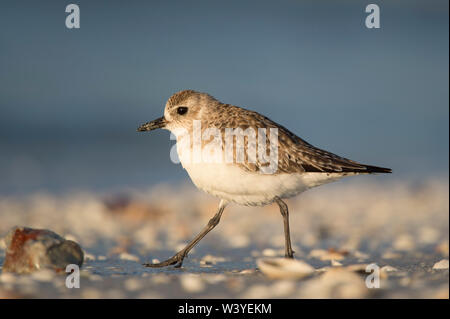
28,250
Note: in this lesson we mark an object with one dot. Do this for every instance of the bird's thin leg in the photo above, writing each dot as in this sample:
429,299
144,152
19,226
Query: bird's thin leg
289,253
177,259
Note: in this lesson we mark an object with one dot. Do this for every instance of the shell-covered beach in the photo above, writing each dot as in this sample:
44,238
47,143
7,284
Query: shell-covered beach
339,229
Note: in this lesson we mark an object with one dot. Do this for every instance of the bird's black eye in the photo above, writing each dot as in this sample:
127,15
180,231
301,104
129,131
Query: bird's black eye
182,110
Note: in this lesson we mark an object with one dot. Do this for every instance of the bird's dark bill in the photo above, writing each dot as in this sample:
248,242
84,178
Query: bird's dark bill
153,125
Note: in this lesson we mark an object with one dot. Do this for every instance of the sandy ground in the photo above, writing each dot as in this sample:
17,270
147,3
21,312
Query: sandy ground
403,227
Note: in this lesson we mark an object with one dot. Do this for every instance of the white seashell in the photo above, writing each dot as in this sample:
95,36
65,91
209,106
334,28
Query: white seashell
284,268
247,271
127,256
443,264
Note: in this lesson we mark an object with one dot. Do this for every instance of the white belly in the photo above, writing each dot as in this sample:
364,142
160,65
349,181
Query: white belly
233,184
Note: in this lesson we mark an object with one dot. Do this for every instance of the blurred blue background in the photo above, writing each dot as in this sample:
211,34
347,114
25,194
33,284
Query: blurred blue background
70,100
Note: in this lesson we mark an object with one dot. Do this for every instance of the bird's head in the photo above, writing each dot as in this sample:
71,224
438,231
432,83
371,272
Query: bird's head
182,109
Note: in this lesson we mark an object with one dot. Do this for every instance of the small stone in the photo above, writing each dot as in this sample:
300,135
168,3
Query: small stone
443,264
391,255
160,279
404,243
127,256
215,278
44,275
2,244
268,252
442,248
239,241
335,263
255,253
92,277
284,268
91,293
133,284
149,295
89,257
5,294
205,264
330,254
192,283
441,293
283,288
360,255
335,283
28,250
428,235
211,260
406,281
248,271
257,291
388,268
7,278
358,268
386,271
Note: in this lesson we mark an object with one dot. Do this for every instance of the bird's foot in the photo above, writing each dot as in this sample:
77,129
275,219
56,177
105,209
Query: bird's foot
176,260
289,255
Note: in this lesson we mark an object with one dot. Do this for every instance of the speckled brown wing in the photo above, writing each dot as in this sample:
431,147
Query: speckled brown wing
294,154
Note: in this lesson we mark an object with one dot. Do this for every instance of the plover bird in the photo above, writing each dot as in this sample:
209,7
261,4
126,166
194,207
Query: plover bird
242,157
